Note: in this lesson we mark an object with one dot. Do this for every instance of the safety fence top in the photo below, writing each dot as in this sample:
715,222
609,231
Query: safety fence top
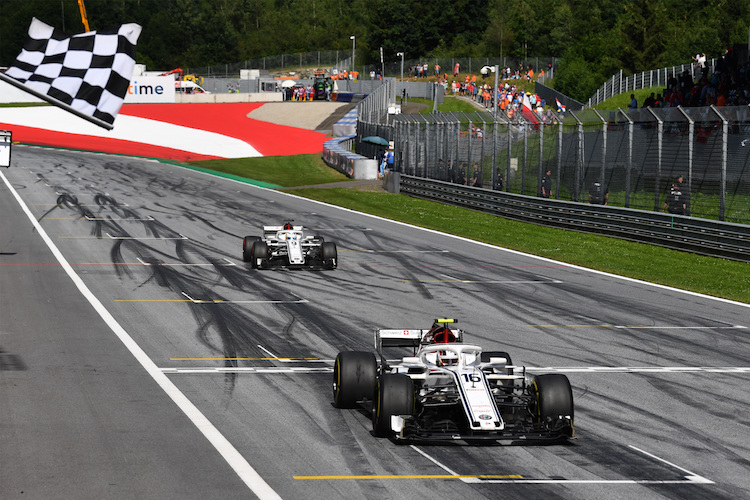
619,83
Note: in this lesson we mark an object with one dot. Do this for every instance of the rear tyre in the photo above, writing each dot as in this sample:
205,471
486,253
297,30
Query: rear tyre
355,374
247,246
395,396
259,254
329,254
554,398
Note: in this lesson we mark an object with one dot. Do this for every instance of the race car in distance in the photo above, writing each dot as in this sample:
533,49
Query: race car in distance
451,390
288,246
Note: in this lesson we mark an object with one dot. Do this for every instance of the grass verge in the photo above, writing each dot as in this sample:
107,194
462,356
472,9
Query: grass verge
287,171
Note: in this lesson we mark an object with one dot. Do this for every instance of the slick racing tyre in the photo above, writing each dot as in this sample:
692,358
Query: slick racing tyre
554,401
354,376
247,245
259,254
328,254
395,396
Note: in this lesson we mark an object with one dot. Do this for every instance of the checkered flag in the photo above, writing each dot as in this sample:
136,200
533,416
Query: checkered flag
87,74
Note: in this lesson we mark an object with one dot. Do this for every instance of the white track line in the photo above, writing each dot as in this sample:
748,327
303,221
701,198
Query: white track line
243,469
641,369
278,301
249,369
506,250
434,461
691,476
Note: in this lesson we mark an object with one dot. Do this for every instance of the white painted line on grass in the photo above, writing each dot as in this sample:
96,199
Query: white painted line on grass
233,457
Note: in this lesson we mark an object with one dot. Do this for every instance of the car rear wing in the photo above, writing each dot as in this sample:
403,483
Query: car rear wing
273,229
405,338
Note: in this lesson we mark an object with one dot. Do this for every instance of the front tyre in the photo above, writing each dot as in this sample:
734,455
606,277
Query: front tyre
259,254
354,377
554,402
329,254
395,396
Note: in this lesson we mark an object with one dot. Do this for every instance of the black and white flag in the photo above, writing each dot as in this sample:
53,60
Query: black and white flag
87,74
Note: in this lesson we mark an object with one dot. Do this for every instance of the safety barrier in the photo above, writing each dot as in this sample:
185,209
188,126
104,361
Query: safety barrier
701,236
337,154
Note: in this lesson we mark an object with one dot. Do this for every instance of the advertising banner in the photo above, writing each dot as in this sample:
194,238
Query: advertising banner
151,89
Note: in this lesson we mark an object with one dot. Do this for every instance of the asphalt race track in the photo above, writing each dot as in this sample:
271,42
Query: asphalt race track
141,358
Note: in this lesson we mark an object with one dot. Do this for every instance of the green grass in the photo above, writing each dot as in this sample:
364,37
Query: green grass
708,275
288,171
23,104
623,100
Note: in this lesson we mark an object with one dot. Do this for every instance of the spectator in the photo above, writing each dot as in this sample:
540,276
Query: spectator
461,178
598,193
685,194
650,101
455,69
700,58
476,179
633,102
545,186
499,183
675,202
387,161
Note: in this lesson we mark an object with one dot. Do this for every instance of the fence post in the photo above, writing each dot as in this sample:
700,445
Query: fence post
494,152
540,171
629,167
469,141
525,157
659,149
510,151
724,147
603,170
579,158
559,158
691,134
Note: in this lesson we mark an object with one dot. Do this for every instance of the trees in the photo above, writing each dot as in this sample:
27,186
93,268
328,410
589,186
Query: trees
595,37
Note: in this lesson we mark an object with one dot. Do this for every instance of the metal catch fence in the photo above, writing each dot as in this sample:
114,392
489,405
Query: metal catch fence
637,154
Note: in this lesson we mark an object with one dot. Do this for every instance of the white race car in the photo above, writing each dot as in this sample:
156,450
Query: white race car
288,246
450,390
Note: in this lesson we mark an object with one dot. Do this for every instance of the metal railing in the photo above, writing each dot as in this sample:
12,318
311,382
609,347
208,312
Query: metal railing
342,61
620,84
705,237
636,153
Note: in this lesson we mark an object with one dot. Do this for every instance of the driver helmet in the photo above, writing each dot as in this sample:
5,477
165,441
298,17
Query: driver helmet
288,225
447,358
443,335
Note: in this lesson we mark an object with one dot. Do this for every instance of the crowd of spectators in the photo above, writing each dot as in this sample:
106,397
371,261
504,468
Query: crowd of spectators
729,85
480,89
